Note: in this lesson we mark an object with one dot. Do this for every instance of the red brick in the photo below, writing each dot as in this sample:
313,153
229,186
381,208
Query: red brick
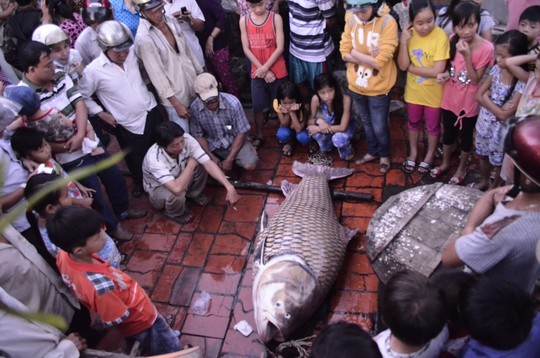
197,212
178,314
357,263
225,264
354,302
365,210
395,177
364,321
145,261
248,209
230,244
361,180
210,346
222,284
157,242
213,215
180,248
161,224
146,280
213,325
372,283
236,345
245,230
200,245
354,222
350,281
184,286
168,276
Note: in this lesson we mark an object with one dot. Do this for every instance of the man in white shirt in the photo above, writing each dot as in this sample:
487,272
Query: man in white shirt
96,12
116,80
172,172
191,20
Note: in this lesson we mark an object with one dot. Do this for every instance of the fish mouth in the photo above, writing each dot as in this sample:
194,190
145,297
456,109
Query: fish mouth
269,331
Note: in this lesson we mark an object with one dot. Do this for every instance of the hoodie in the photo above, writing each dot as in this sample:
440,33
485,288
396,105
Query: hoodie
380,32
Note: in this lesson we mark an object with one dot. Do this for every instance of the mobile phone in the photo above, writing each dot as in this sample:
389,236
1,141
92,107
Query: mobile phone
183,9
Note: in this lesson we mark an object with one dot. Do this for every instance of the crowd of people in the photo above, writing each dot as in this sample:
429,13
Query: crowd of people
157,74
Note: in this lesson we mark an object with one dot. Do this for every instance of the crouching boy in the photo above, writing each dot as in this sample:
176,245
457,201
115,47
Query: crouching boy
110,294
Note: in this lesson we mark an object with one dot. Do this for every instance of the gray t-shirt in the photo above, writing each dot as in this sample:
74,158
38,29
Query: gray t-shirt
504,247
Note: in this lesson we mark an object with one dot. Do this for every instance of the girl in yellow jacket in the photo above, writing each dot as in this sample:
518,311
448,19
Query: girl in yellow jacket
368,44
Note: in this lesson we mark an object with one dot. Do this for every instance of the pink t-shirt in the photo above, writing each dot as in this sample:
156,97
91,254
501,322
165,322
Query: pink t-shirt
459,95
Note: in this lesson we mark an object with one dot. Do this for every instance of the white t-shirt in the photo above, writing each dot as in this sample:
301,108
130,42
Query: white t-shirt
196,13
430,350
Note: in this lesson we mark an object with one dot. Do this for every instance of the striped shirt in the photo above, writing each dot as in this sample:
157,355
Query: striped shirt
63,97
221,127
159,168
310,41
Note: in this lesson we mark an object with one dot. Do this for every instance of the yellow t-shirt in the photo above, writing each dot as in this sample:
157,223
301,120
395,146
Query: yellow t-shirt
424,52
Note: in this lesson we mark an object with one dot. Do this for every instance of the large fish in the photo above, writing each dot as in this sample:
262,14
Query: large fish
299,253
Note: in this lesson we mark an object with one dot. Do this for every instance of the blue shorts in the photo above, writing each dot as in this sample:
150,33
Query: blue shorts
262,93
302,71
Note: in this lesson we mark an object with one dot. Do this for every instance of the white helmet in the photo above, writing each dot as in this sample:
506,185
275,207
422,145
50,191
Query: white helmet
49,34
113,34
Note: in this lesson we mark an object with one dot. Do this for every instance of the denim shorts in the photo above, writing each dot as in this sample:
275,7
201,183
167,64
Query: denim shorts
158,339
262,93
303,71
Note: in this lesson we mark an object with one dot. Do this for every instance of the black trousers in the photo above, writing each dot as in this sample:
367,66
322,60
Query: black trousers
138,144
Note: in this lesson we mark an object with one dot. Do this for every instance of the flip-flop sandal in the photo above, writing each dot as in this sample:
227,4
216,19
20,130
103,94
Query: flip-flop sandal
201,200
455,180
408,166
384,167
185,218
257,142
366,159
287,150
423,168
437,172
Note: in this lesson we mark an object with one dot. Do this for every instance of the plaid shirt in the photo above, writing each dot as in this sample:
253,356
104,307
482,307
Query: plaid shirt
221,127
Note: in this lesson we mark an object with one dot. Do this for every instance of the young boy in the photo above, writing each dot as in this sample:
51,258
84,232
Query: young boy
55,126
263,42
111,295
529,25
415,311
501,320
348,339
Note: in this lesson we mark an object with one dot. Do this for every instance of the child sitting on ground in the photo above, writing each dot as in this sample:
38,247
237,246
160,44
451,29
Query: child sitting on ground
55,126
30,144
348,339
114,297
415,311
501,320
48,206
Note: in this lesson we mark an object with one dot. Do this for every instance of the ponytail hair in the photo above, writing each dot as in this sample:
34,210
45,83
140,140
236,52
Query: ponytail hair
517,45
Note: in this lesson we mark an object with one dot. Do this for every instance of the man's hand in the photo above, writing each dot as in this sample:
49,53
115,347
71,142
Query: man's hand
107,118
182,111
227,164
232,197
74,143
79,342
209,48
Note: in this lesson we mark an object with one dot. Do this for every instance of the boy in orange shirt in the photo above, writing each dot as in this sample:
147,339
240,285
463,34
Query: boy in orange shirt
111,295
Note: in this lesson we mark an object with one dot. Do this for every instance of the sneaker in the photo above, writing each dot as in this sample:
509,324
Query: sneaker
121,234
132,214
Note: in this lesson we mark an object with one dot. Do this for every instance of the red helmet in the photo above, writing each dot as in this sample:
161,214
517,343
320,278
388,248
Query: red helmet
96,11
523,146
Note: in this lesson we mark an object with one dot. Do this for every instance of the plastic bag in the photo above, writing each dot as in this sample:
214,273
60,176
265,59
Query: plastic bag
202,304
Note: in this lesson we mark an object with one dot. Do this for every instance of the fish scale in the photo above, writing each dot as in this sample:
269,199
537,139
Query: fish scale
321,244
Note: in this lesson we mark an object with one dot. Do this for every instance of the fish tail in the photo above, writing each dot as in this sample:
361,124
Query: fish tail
306,169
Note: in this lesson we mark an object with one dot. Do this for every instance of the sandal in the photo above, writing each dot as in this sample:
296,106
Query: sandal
423,168
455,180
201,200
287,150
366,159
257,142
384,166
408,166
183,219
313,147
437,172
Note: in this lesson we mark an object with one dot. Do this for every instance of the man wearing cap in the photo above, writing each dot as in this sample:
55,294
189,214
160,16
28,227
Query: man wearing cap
134,112
176,168
219,124
169,62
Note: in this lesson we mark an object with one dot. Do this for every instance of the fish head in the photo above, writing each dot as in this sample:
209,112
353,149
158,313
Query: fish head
282,294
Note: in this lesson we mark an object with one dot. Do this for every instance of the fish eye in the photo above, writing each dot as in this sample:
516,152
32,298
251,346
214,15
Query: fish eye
279,304
287,315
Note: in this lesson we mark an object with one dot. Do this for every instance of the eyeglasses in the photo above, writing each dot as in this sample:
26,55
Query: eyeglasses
211,100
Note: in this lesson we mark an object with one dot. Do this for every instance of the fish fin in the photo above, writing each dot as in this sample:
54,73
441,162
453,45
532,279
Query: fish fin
287,188
348,234
330,173
263,222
